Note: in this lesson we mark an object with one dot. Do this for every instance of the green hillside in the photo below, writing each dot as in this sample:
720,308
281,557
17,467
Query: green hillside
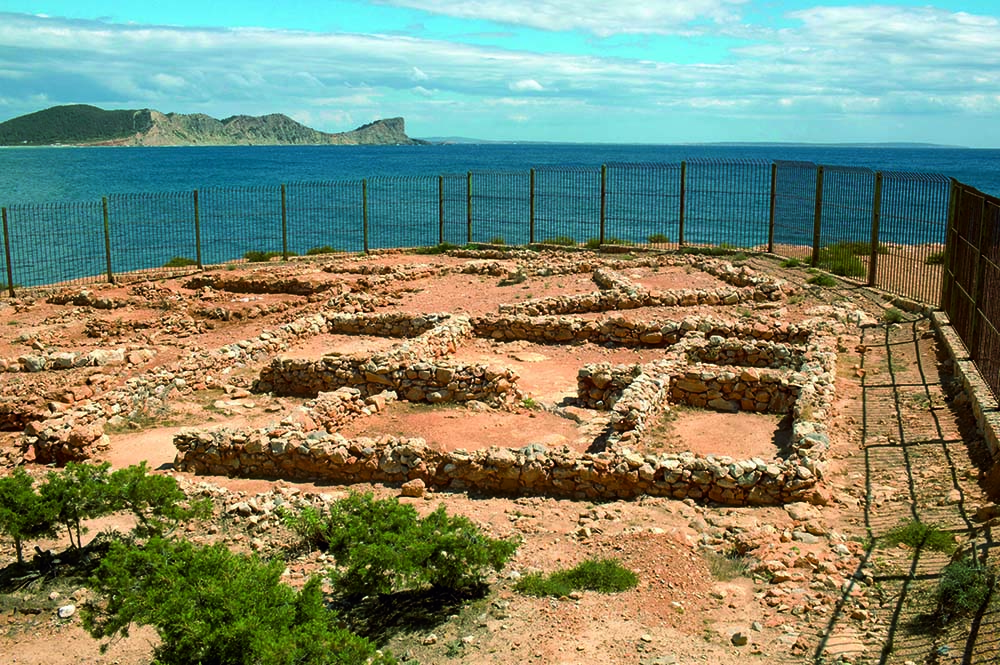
76,123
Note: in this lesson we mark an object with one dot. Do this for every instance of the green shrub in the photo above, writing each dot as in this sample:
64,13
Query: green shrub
602,575
593,243
209,605
497,240
893,315
255,256
822,279
436,249
658,239
936,259
382,546
842,259
24,514
180,262
724,249
791,263
325,249
921,536
565,241
964,586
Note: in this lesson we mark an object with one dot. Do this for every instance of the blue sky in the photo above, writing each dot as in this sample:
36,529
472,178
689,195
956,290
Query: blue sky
674,71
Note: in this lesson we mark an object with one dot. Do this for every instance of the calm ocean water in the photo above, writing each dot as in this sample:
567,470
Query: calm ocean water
37,175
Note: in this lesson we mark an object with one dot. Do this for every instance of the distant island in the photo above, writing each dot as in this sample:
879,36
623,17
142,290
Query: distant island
84,125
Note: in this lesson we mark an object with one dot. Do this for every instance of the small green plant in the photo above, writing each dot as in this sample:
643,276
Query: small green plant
791,263
436,249
180,262
724,249
593,243
658,239
565,241
842,258
921,536
325,249
454,649
725,567
256,256
530,403
209,605
602,575
893,315
822,279
964,586
936,259
497,240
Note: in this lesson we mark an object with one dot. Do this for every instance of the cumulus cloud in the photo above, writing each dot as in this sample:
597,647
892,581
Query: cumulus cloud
597,17
526,85
836,61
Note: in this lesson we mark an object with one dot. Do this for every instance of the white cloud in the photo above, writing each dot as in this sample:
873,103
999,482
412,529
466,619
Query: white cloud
526,85
418,74
598,17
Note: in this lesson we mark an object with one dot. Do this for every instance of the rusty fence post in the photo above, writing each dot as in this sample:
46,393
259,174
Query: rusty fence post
107,239
770,214
6,247
680,220
197,231
364,213
876,218
284,225
817,216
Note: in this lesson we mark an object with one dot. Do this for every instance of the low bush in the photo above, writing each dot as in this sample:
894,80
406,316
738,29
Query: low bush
209,605
498,240
658,239
382,546
436,249
893,315
822,279
935,259
24,514
565,241
325,249
964,586
180,262
256,256
724,249
791,263
842,259
602,575
919,535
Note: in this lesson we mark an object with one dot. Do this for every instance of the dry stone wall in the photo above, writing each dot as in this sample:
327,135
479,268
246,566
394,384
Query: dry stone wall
532,470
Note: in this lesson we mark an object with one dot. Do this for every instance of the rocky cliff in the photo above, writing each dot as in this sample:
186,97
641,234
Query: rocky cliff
88,125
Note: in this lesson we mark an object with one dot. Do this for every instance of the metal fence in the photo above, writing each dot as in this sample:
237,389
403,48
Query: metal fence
881,229
971,290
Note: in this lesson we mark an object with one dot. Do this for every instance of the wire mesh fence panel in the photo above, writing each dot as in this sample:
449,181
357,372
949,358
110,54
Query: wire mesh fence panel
567,205
912,231
403,211
501,207
56,243
643,203
845,242
240,222
152,232
727,203
794,208
324,217
963,257
453,225
987,334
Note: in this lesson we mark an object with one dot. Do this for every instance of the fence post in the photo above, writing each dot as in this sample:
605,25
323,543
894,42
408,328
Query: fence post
770,214
680,221
818,215
948,273
6,247
468,207
876,217
284,226
604,199
440,209
197,231
107,239
531,208
364,212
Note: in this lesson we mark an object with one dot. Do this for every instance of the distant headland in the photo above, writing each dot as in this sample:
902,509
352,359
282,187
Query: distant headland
84,125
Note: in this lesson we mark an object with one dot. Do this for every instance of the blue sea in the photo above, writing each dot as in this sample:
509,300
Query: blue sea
59,229
43,175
